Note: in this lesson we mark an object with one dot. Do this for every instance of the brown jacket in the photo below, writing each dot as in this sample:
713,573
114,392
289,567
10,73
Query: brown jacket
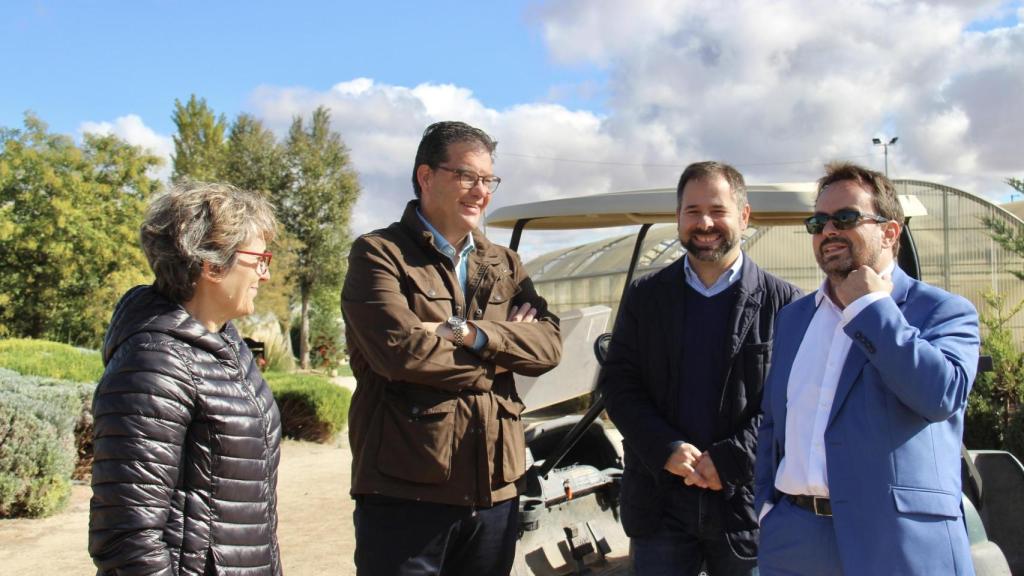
430,421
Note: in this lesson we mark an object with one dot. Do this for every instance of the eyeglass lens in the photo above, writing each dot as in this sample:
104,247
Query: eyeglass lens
843,219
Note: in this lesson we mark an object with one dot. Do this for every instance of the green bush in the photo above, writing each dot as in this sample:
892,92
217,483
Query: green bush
64,363
38,419
50,359
312,407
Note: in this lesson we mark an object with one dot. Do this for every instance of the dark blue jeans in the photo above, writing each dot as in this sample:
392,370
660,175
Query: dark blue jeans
692,535
398,537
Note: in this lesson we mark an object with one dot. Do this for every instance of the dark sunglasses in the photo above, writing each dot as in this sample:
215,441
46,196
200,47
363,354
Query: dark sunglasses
844,219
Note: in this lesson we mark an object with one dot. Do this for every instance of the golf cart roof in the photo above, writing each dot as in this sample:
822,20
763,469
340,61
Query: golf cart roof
770,204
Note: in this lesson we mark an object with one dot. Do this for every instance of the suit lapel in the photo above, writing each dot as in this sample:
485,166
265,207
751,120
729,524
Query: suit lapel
852,368
856,359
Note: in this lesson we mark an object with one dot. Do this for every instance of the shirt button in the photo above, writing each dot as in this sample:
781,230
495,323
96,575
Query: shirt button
431,293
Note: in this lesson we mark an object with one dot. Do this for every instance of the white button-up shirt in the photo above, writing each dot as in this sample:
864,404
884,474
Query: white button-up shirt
810,391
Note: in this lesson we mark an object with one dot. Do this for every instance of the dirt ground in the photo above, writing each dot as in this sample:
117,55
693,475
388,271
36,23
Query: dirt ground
315,527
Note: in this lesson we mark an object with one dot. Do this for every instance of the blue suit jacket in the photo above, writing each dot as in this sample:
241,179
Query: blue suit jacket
892,442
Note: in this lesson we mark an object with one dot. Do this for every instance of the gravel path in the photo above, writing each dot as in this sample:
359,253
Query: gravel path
315,527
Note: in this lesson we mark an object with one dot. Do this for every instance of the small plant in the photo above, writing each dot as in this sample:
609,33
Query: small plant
38,419
994,404
312,407
50,359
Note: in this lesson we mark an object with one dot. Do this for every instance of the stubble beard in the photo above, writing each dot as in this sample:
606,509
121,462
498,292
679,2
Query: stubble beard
838,268
714,254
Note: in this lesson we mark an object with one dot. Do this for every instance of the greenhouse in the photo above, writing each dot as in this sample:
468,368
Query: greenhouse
956,253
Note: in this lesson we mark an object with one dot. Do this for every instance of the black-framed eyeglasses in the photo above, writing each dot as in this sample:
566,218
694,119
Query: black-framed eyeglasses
844,219
469,179
263,264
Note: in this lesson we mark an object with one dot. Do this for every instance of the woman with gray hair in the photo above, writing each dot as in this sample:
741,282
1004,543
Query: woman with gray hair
187,434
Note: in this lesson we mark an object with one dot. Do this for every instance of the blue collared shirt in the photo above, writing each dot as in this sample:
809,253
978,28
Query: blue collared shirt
727,279
459,260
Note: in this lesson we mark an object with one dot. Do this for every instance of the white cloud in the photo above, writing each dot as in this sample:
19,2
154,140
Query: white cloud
762,84
133,130
382,125
776,88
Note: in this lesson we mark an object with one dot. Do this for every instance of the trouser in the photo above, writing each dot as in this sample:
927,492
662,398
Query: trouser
797,542
399,537
692,535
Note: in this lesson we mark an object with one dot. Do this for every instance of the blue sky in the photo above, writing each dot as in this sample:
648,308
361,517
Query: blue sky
585,96
88,60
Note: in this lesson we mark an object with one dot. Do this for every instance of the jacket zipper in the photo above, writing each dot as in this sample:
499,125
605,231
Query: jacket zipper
266,435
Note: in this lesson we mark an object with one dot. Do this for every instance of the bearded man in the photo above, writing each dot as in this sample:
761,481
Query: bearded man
858,462
682,382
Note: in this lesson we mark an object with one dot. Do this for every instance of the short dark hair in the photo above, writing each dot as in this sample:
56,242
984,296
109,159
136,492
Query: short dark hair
708,169
433,149
883,193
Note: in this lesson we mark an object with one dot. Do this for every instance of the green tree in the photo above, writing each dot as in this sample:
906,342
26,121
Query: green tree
199,145
1006,234
255,161
315,208
997,395
69,218
994,417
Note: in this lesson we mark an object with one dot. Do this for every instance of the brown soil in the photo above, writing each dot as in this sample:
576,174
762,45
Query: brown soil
315,526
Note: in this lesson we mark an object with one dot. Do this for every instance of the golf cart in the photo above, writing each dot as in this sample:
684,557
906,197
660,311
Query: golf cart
569,512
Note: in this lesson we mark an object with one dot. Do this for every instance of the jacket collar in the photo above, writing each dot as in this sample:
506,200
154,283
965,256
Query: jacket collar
749,282
143,309
412,222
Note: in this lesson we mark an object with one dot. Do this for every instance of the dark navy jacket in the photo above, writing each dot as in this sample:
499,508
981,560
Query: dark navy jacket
641,380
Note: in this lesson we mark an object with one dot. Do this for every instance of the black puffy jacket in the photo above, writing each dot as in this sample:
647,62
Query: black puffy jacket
187,443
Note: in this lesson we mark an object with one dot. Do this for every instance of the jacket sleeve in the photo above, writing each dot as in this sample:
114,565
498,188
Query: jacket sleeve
930,369
142,409
528,348
764,463
734,456
627,400
391,336
767,459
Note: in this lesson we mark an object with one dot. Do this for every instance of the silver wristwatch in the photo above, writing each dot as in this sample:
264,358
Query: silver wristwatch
458,326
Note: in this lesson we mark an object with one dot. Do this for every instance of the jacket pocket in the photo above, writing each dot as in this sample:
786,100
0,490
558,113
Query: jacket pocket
417,432
926,501
503,290
513,441
428,292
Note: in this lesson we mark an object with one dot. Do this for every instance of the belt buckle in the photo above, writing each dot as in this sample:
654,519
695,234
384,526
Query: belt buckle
821,511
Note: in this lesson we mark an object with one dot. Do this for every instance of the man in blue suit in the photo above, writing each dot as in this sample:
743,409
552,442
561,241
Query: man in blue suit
858,468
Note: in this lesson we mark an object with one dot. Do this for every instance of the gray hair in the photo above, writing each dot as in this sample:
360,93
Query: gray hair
196,222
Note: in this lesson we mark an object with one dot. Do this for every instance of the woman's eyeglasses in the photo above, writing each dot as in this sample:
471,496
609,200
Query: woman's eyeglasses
263,264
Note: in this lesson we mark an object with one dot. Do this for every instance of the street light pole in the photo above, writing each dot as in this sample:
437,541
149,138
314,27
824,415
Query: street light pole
885,147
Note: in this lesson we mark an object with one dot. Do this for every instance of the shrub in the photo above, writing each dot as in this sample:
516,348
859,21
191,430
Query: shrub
50,359
38,418
312,407
63,363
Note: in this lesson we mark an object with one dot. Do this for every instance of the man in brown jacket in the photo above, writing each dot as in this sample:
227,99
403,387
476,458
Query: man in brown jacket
437,320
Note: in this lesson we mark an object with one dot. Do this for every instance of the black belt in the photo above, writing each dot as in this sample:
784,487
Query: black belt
817,504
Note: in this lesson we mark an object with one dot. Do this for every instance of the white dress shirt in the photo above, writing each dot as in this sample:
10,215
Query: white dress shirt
810,391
